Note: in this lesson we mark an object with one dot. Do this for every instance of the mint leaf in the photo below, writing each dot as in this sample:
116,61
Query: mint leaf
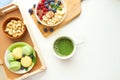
26,68
59,8
34,60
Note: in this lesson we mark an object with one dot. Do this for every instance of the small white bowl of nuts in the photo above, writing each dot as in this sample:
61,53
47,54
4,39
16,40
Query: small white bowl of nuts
14,28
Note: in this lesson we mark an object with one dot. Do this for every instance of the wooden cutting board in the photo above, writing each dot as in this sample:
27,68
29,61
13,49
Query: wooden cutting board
73,10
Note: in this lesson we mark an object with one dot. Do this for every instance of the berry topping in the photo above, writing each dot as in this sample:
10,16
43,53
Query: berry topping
46,2
22,68
43,14
37,13
38,8
41,18
59,2
49,1
54,10
31,56
44,9
52,4
50,12
42,4
43,1
52,0
46,5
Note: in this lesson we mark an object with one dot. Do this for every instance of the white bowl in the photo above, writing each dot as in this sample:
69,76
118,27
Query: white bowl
8,51
61,20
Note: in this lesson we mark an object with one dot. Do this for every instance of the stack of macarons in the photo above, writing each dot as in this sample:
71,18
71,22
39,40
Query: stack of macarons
21,58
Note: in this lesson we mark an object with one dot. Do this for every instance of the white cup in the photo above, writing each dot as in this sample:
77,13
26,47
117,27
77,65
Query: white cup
63,57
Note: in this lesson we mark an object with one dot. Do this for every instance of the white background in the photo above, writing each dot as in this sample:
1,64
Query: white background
98,58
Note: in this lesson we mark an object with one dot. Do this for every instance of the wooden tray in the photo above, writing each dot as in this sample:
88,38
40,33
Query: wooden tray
5,42
73,10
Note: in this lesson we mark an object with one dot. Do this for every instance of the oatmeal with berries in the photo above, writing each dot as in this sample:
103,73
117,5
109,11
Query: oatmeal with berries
50,12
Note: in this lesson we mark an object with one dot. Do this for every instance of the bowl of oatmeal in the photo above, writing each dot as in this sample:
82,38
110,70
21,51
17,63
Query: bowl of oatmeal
50,12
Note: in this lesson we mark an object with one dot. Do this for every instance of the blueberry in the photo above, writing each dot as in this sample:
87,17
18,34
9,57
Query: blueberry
22,68
59,2
45,30
23,55
54,10
52,4
57,5
34,5
30,11
49,1
51,29
46,2
46,5
52,0
31,56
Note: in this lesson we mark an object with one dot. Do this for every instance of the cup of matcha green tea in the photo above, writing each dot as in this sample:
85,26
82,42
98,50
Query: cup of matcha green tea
64,47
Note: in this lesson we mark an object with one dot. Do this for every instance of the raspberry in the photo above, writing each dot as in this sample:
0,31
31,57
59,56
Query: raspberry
38,8
42,7
39,5
37,13
46,5
42,4
43,1
46,10
41,18
43,14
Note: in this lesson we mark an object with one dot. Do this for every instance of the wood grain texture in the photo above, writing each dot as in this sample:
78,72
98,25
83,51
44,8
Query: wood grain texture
5,42
73,10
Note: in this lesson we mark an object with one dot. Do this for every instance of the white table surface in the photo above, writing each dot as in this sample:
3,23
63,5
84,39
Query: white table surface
98,58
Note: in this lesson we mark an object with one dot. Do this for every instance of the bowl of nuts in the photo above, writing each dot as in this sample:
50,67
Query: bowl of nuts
50,12
14,28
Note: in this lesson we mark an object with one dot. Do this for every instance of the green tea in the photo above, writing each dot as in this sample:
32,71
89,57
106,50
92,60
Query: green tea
63,46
